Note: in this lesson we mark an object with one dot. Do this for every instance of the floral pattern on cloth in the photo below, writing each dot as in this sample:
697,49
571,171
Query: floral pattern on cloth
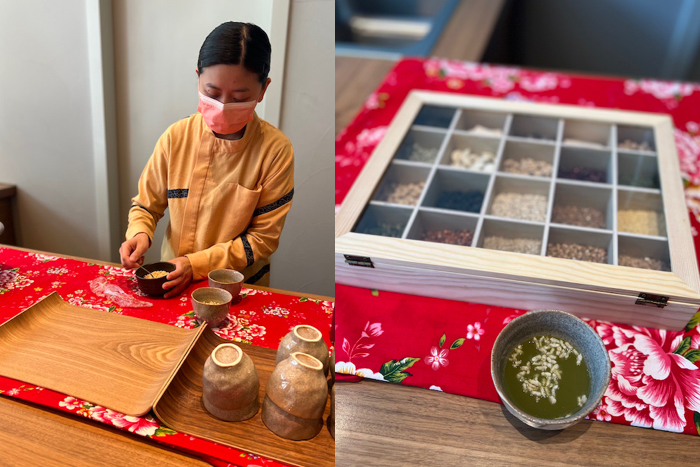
655,377
655,380
25,278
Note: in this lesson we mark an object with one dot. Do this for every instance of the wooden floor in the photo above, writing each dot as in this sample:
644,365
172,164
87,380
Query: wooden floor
37,436
384,424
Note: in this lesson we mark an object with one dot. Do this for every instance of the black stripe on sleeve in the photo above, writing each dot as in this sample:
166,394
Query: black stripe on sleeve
250,258
178,193
277,204
136,205
258,275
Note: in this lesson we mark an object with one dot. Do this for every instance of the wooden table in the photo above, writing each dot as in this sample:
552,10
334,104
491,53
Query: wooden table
465,38
34,435
384,424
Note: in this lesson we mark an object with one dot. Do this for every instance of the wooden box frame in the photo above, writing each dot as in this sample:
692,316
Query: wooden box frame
660,299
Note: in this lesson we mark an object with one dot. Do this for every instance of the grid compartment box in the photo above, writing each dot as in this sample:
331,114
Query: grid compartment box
524,205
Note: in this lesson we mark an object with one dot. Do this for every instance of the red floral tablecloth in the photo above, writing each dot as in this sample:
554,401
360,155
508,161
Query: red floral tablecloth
390,337
261,318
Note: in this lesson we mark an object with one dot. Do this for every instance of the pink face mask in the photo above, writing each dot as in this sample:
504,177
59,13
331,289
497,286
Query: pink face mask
225,118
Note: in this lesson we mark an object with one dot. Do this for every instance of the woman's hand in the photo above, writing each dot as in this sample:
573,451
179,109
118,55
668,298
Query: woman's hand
132,250
180,278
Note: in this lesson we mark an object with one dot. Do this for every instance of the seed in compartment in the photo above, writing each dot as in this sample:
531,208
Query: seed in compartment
526,206
385,229
449,236
588,253
528,166
578,215
402,193
583,173
422,154
644,263
468,159
469,201
516,245
629,144
579,142
641,222
486,131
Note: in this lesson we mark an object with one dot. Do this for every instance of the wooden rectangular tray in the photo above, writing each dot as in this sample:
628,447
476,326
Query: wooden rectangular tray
114,361
367,257
180,408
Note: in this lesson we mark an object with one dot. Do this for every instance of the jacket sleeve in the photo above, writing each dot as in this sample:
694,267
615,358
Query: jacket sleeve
261,238
149,205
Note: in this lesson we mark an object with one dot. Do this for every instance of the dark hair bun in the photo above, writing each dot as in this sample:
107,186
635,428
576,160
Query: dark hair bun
235,43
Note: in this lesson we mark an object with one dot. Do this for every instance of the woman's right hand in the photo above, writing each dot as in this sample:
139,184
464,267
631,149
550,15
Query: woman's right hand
132,250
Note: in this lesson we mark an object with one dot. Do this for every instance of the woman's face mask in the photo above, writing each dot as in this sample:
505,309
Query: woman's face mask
228,95
225,118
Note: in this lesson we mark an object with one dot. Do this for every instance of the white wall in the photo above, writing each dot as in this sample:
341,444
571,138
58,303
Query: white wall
304,261
156,48
45,124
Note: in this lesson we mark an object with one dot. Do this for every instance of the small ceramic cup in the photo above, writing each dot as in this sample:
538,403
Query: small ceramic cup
564,326
229,280
306,339
295,398
211,305
230,384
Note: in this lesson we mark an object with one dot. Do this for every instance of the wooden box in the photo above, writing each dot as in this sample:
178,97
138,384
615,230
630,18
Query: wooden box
602,186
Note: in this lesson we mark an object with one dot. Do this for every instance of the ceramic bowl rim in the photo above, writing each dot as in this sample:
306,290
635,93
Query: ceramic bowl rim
531,420
307,365
312,341
219,291
235,273
239,356
164,265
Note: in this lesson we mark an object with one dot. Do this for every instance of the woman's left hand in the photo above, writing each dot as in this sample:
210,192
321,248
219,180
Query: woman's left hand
180,278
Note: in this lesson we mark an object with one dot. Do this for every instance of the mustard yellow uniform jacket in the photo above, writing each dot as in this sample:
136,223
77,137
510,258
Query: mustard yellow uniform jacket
228,199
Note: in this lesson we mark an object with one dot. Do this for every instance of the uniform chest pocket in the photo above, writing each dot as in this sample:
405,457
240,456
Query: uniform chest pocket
227,208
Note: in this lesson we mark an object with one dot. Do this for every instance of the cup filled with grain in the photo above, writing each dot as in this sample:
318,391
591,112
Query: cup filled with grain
550,369
228,280
211,305
151,277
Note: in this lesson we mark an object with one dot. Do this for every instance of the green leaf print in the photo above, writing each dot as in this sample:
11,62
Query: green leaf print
189,314
375,292
442,340
693,355
393,371
694,321
683,346
458,343
697,422
163,431
303,299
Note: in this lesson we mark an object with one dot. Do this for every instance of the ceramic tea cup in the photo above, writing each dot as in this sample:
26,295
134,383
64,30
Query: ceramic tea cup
211,305
229,280
563,326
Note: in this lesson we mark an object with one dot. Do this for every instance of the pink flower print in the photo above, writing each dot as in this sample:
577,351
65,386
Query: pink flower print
71,403
474,331
689,154
601,414
693,127
650,385
437,358
13,392
138,425
256,330
372,330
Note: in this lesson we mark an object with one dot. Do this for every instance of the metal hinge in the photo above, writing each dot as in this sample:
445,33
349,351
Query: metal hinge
363,261
651,299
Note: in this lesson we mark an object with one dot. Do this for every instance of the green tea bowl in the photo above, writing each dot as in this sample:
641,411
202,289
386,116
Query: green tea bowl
564,326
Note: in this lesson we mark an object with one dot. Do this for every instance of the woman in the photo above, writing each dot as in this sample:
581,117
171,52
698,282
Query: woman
225,175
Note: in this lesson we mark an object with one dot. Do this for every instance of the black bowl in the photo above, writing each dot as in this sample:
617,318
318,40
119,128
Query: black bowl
153,286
